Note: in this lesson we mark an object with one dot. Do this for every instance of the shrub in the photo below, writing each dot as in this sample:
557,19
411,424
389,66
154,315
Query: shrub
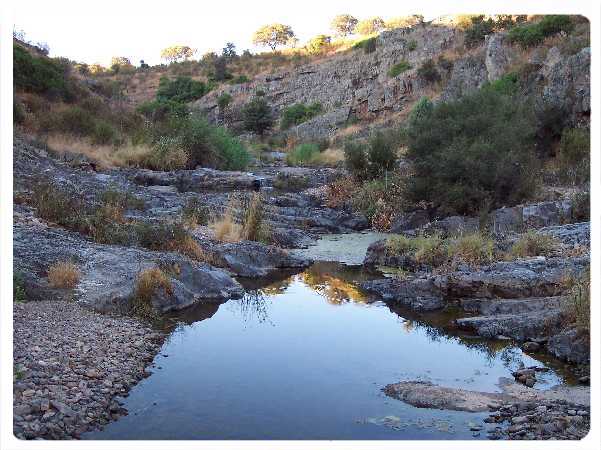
428,72
463,156
421,110
581,206
257,116
473,249
226,229
19,295
370,26
231,153
159,110
531,34
194,213
254,227
40,75
147,284
477,30
355,157
73,120
125,200
507,84
368,45
224,100
382,154
318,45
533,244
412,45
299,113
18,112
302,154
424,250
180,90
55,205
578,308
168,154
63,275
104,133
240,79
399,68
574,155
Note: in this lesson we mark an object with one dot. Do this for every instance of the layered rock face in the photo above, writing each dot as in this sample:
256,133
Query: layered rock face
355,84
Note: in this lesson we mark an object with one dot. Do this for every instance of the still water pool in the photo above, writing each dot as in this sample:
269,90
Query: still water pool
305,357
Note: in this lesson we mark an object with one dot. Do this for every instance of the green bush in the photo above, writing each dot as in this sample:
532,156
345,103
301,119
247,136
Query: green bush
532,34
412,45
477,30
574,155
318,44
472,152
428,72
399,68
257,115
508,84
158,110
302,154
382,154
368,45
232,155
181,90
104,133
40,75
224,100
240,79
355,158
19,295
299,113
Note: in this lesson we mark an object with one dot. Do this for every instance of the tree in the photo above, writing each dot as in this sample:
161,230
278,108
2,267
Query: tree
229,51
343,24
220,72
370,26
120,62
273,35
318,44
177,52
257,116
404,21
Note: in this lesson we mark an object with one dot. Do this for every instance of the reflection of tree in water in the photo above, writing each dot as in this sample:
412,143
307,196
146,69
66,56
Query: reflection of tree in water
254,307
335,282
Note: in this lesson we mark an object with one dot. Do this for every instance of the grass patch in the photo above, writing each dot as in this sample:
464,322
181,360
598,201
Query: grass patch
19,295
194,213
148,283
473,249
533,244
399,68
299,113
63,275
578,308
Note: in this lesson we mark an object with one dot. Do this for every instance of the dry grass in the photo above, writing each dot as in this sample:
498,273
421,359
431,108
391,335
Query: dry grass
147,284
330,157
63,275
578,307
533,244
473,249
189,247
105,156
226,228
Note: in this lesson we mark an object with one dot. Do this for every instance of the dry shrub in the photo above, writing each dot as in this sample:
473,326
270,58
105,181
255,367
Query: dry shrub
112,212
578,307
533,244
254,227
340,192
189,247
63,275
226,229
147,284
473,249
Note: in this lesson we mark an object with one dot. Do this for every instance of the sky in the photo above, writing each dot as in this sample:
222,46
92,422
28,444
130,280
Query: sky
94,32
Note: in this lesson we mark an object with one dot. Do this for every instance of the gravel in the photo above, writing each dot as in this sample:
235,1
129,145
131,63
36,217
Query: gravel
71,364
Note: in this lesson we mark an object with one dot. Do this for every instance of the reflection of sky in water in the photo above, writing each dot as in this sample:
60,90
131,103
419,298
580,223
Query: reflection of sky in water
289,363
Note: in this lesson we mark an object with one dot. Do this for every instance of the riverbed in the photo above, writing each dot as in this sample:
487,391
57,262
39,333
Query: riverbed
305,356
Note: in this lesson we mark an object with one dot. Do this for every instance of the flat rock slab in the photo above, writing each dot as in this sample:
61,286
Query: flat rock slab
421,294
109,272
424,394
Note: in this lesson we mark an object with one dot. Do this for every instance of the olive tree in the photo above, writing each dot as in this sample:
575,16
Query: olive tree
273,35
177,53
343,24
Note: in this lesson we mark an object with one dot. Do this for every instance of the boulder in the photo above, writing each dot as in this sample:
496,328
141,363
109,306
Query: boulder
108,273
421,294
410,221
506,220
571,345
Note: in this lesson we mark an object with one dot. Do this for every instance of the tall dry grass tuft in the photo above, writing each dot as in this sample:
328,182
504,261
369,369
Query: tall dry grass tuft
226,228
63,275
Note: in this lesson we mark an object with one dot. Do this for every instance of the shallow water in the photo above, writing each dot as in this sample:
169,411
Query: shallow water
305,358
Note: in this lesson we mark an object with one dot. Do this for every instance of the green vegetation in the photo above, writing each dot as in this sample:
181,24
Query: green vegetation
463,155
528,35
412,45
290,182
180,90
344,24
477,30
257,115
370,26
318,45
399,68
299,113
273,36
533,244
302,154
41,75
434,251
368,45
374,158
428,72
18,288
574,156
578,309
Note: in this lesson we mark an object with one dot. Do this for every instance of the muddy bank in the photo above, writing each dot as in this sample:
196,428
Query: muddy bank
71,364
